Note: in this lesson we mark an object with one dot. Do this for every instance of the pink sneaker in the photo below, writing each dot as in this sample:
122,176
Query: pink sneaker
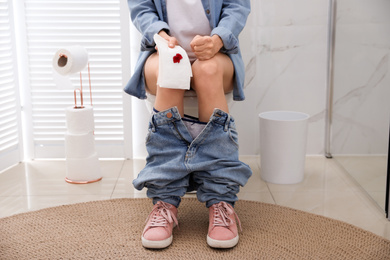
158,230
222,226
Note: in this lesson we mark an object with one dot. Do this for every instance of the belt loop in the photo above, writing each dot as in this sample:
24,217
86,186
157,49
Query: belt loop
152,124
227,122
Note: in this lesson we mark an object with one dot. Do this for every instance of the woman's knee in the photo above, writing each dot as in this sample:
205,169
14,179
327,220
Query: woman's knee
151,68
207,69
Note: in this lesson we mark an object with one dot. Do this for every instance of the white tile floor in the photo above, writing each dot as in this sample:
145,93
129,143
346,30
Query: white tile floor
370,172
326,190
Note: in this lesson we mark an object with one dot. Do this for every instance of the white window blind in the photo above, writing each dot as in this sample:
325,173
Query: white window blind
9,104
96,25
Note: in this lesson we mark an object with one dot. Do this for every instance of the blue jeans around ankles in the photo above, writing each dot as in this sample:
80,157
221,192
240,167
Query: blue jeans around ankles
176,162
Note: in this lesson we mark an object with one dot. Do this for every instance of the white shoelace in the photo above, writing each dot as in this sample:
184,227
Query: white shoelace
161,215
222,211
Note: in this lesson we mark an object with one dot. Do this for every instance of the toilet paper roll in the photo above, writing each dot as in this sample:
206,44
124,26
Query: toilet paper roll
80,120
79,145
83,169
175,67
66,62
70,60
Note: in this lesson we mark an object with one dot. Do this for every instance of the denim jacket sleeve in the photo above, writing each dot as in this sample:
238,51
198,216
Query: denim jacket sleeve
232,20
147,17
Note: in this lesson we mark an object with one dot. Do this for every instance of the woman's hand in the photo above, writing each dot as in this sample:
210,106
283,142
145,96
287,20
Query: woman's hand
205,47
172,41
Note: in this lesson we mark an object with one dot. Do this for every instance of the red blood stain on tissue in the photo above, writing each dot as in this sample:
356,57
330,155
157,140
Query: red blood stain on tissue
177,58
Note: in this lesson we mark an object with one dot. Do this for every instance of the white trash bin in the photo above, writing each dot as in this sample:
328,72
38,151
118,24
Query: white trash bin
283,138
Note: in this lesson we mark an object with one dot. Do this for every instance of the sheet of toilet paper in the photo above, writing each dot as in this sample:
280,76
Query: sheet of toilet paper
174,65
80,120
83,169
66,62
79,145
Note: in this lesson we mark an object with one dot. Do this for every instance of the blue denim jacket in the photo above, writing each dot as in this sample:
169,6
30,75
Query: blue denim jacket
227,19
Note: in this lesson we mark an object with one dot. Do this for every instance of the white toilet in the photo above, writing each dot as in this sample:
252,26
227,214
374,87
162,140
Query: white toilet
190,102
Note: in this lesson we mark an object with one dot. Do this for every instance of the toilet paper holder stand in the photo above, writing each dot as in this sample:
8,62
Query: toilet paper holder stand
63,60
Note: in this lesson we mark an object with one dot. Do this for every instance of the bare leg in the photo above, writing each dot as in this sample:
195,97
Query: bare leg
211,80
165,97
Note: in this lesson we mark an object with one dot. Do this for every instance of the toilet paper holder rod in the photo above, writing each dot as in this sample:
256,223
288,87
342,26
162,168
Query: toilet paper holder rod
81,90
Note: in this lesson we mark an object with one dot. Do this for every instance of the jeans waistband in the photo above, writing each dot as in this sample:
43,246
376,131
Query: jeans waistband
222,118
172,114
166,116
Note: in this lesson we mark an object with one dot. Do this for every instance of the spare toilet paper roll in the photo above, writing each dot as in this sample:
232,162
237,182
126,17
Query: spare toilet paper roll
66,62
80,120
174,65
83,169
79,145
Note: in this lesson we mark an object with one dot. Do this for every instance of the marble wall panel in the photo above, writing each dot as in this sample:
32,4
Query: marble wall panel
362,78
286,67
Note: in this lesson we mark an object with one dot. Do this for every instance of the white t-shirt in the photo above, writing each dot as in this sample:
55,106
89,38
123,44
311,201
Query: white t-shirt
186,19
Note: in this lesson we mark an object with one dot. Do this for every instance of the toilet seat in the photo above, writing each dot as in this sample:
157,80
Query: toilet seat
190,102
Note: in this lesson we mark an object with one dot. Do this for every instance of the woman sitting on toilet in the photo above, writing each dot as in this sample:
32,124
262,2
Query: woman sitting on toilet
180,158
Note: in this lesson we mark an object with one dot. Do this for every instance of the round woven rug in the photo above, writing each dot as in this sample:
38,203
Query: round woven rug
112,230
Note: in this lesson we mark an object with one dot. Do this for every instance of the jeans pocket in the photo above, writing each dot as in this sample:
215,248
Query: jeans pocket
233,134
149,134
147,139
